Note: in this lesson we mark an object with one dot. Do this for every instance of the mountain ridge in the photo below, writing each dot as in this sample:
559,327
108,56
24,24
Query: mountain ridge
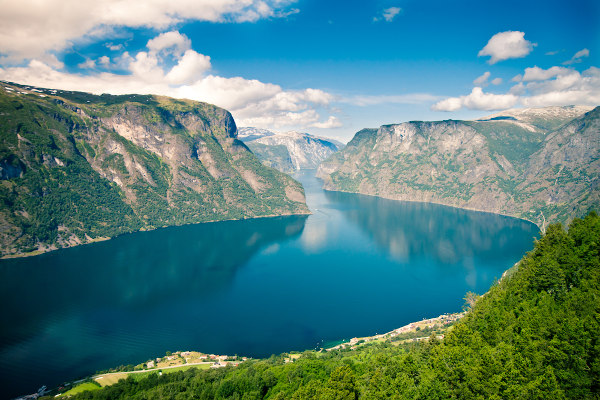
289,151
78,167
483,165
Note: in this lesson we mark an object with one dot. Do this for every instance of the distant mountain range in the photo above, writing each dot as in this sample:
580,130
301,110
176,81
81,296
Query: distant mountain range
539,164
290,151
76,167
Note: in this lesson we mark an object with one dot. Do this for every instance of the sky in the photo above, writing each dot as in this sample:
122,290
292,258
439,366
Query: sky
325,67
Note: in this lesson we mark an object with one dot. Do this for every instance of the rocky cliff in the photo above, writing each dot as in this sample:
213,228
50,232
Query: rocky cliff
76,167
537,164
289,151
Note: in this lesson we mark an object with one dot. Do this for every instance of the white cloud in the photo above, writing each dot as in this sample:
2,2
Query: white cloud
332,122
449,104
190,68
87,64
537,87
477,100
565,89
388,14
31,28
115,47
253,103
538,74
482,80
496,81
104,60
171,42
577,57
505,45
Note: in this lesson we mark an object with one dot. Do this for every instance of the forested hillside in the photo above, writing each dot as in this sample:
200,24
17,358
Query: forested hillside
542,164
534,335
77,167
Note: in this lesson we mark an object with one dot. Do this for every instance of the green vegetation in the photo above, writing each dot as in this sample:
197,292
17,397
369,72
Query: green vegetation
274,156
505,166
86,386
534,335
76,167
515,143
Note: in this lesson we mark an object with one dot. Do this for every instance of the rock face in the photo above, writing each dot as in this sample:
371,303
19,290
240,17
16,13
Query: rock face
290,151
76,167
537,164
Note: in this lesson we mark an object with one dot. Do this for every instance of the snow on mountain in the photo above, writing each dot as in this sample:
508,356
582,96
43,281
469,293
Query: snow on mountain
302,150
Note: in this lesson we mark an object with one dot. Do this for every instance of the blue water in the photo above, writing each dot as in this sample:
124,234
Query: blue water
357,266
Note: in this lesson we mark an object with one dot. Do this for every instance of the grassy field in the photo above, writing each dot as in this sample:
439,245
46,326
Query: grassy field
81,388
111,379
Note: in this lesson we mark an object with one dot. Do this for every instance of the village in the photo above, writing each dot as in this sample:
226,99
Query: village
407,333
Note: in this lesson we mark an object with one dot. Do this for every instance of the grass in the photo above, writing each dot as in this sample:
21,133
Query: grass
86,386
111,379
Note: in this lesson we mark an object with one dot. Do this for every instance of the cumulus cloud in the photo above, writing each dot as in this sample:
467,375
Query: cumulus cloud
505,45
577,57
536,87
496,81
538,74
170,67
477,100
567,88
87,64
62,22
388,14
171,42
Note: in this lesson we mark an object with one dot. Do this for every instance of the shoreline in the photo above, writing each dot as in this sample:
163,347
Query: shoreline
444,319
437,203
105,238
179,359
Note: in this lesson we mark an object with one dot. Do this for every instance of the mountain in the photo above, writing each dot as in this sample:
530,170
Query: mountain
290,151
537,164
248,134
76,167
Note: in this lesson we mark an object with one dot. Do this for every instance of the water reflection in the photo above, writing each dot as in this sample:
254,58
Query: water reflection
358,265
67,312
410,230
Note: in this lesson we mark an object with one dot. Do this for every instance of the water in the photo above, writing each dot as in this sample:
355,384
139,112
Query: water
358,266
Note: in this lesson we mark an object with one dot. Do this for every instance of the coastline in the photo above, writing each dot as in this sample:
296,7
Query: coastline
193,359
437,203
105,238
413,327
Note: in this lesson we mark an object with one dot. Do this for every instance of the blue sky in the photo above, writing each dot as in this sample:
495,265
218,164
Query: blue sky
326,67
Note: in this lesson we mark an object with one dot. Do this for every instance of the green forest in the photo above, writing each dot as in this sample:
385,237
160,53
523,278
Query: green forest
534,335
67,177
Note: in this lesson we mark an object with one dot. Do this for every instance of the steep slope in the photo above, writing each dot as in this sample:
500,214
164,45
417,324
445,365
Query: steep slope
76,167
509,166
290,151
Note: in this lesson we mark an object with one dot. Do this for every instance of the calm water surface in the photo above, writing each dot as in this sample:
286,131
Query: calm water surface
358,266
